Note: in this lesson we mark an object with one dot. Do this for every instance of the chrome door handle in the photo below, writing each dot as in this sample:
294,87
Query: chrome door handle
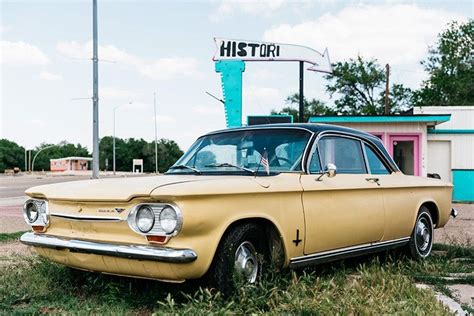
376,180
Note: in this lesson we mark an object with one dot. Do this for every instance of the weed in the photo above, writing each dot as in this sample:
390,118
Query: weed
379,284
7,237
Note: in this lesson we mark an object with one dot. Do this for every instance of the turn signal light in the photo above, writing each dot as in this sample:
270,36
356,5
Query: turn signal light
38,229
157,239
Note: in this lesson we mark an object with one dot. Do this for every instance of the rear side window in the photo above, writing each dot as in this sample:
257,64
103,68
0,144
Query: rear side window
345,153
375,164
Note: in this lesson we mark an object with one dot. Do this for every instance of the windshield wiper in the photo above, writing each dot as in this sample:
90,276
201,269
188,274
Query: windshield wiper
185,167
226,164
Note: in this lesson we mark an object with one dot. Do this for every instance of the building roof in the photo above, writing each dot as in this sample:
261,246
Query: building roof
72,158
430,119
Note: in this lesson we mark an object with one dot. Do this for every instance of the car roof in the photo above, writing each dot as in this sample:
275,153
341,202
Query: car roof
311,127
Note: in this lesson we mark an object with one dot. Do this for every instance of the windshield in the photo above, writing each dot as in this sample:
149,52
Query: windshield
241,152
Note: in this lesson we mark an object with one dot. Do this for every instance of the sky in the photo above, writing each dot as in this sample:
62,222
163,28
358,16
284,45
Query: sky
166,47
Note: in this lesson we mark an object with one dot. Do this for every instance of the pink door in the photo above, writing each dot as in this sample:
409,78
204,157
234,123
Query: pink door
405,150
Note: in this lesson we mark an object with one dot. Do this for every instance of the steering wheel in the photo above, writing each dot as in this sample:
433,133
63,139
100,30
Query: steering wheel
285,160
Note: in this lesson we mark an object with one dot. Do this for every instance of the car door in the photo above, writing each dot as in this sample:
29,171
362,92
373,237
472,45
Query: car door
344,210
400,200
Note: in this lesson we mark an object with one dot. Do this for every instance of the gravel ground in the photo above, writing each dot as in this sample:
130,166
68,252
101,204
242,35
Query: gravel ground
459,230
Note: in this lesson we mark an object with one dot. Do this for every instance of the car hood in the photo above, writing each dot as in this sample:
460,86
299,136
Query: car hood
111,189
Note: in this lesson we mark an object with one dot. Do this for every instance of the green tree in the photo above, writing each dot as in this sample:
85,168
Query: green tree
450,64
128,149
359,86
11,155
312,107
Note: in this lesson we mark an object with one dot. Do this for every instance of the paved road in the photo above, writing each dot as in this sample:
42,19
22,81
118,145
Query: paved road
12,195
15,186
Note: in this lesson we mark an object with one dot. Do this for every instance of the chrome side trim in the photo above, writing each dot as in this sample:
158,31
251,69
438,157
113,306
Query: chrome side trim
341,253
160,254
90,218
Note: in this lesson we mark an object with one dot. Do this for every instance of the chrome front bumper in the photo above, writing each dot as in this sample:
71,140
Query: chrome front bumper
161,254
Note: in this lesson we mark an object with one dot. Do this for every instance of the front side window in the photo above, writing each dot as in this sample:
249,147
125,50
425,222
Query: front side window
229,152
375,164
345,153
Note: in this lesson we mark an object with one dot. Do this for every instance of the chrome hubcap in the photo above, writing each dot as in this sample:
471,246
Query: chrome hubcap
246,261
423,234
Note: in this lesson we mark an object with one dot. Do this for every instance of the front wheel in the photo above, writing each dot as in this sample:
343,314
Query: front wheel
239,259
421,240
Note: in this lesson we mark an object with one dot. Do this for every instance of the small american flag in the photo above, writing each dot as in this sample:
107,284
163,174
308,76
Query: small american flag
264,161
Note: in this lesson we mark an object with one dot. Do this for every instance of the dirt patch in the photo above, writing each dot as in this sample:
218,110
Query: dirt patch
11,219
464,293
459,230
15,248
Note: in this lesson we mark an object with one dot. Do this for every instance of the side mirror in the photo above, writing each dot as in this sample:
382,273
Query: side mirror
330,171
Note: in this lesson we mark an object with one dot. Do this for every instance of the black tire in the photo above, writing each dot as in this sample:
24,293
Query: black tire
223,274
421,240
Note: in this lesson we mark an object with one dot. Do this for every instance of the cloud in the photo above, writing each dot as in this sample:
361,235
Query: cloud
262,99
37,123
46,75
160,69
393,33
261,7
3,28
115,93
208,109
21,54
165,119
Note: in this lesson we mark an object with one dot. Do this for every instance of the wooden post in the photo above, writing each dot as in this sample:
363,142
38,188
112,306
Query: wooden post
387,90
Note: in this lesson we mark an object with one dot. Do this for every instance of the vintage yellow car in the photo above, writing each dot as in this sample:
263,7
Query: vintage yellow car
239,200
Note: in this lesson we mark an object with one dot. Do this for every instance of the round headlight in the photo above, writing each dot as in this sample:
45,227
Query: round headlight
145,219
31,211
168,220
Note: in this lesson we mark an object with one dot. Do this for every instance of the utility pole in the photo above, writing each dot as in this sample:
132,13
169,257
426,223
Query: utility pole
156,135
95,95
387,90
113,143
301,110
25,161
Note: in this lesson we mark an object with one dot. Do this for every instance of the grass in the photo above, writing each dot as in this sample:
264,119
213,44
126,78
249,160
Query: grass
379,284
7,237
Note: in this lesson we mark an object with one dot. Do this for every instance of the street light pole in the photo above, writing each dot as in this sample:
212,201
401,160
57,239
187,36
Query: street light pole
156,137
95,95
34,158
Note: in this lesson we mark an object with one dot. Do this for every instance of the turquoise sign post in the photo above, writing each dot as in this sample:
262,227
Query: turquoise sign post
231,79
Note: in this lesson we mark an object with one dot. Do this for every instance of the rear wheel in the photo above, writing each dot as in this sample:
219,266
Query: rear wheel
421,240
240,258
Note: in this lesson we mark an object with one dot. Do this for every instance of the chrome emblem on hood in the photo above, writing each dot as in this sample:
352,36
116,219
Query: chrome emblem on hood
117,209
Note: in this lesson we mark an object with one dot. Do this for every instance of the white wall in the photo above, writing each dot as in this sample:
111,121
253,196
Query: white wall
462,145
462,117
